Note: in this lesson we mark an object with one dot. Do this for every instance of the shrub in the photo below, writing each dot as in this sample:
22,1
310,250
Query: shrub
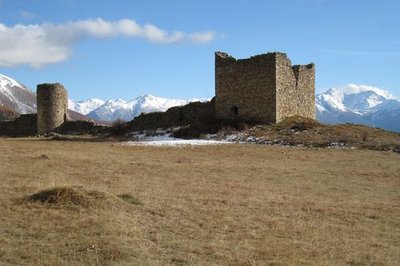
118,127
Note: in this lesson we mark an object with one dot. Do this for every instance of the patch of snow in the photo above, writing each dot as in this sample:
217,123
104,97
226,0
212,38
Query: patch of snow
7,81
160,137
319,107
163,137
168,141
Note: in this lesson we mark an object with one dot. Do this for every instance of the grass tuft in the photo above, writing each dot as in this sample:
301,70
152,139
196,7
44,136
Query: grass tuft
64,196
130,199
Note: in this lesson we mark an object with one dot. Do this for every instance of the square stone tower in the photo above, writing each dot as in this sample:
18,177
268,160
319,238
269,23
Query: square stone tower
263,88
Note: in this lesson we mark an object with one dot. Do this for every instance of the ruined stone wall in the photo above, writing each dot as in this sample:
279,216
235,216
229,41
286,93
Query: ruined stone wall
52,107
295,89
305,100
189,114
22,126
285,88
245,88
263,88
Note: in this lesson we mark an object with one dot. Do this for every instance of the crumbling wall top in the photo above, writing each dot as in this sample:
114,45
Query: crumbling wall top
308,66
223,58
50,86
226,56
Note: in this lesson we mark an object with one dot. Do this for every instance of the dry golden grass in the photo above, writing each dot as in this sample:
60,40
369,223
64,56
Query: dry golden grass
232,205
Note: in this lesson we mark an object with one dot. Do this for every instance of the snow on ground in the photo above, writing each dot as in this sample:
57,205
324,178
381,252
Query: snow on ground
167,140
177,142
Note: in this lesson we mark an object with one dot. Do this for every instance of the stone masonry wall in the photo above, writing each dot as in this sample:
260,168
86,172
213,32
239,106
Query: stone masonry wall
245,88
305,100
295,89
22,126
263,88
52,107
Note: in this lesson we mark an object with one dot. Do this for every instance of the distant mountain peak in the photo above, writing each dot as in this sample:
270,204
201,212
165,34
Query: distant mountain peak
352,98
356,89
149,96
16,96
360,104
86,106
128,109
7,81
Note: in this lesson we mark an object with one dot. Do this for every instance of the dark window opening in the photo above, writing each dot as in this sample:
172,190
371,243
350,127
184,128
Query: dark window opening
235,110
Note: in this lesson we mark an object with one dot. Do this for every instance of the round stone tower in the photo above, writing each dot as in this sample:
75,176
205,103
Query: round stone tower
52,106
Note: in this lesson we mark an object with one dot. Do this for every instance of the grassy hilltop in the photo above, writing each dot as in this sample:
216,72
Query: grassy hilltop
73,203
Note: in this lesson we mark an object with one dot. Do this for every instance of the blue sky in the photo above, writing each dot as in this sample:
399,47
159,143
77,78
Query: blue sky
122,49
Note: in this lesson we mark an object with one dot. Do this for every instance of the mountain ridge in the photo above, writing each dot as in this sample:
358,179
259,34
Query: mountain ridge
16,96
129,109
357,104
16,99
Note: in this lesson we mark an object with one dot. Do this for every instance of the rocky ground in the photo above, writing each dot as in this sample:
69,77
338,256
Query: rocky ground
294,131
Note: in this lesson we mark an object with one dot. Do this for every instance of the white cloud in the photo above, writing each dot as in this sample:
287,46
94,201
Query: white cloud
39,45
202,37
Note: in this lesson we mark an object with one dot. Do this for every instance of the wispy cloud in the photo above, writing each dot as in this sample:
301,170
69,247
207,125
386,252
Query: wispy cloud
25,15
41,44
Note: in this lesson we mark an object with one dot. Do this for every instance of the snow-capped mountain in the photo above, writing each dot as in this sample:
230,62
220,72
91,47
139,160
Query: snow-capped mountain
16,96
85,107
359,104
122,109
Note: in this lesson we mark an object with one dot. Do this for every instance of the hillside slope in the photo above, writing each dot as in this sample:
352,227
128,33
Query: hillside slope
7,114
298,131
16,96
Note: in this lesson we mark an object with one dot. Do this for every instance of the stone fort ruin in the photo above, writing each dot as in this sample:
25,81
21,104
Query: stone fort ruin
52,107
263,88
